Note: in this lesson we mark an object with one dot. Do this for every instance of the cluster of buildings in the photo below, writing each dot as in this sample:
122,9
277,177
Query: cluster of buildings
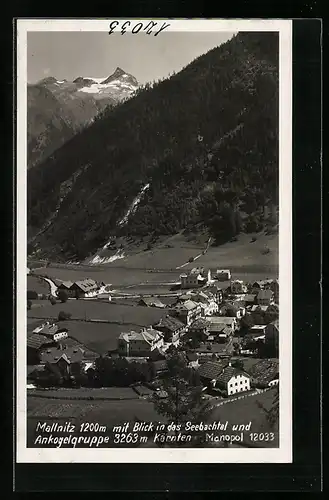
199,277
205,320
80,289
228,379
50,357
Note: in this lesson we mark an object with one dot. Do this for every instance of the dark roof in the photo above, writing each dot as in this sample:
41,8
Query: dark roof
228,373
211,369
86,285
170,323
152,301
219,328
220,349
65,284
199,323
70,354
49,330
232,307
264,371
36,341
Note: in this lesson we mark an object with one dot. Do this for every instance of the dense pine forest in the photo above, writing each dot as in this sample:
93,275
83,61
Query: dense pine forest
205,139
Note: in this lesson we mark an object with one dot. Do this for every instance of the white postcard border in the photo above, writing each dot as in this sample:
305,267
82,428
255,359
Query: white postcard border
283,454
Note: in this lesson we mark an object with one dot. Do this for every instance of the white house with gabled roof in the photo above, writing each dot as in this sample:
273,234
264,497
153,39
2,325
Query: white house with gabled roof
140,343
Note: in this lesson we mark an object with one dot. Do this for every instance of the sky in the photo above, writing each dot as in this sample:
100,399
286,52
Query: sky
67,55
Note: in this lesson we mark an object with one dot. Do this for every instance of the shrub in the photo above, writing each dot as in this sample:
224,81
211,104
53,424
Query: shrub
253,239
52,300
191,259
63,316
32,295
63,296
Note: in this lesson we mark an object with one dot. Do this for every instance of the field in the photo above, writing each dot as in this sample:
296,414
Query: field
108,413
98,337
246,410
104,311
116,276
37,284
110,393
243,257
116,412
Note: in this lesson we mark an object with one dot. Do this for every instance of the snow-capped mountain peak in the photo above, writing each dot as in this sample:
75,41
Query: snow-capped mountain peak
118,83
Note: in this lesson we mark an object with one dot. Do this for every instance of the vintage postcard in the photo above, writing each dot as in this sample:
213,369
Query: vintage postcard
154,241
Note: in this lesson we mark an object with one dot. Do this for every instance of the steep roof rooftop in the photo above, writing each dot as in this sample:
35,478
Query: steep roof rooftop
169,322
212,369
228,373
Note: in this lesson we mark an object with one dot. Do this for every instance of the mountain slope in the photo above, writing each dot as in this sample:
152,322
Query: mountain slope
205,140
58,109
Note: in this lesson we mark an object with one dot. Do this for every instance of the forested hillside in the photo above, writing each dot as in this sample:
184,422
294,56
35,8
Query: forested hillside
206,140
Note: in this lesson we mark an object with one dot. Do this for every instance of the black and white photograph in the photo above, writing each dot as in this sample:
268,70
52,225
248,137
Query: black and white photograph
154,288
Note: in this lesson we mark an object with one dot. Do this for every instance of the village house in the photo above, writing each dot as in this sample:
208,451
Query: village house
151,302
265,373
196,278
35,343
67,287
233,380
229,322
198,330
265,297
187,312
216,292
221,375
206,301
233,309
218,332
222,350
139,343
237,287
62,363
210,371
84,288
222,274
54,333
171,327
71,354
